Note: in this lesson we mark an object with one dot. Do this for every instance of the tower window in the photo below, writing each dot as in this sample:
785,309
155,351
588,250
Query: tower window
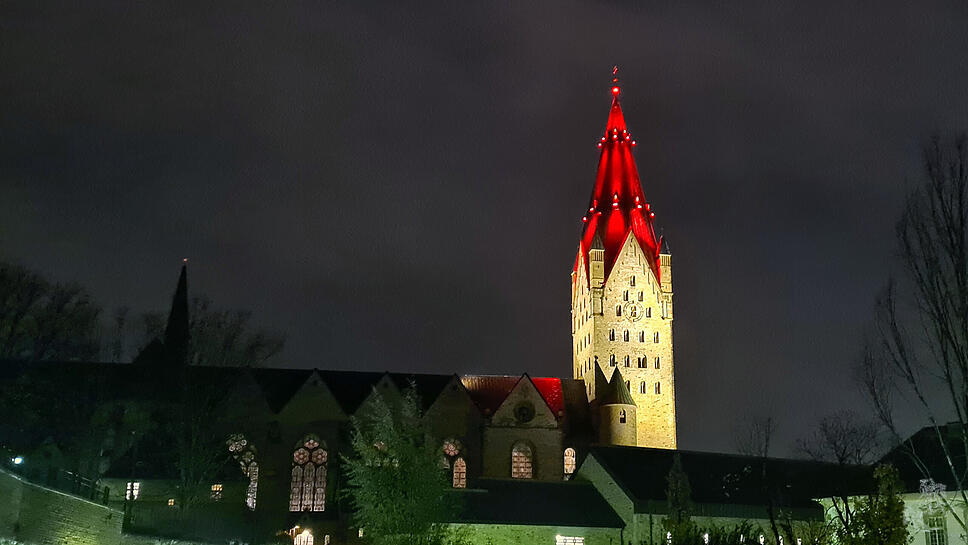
627,361
656,337
626,295
641,363
628,386
657,362
611,360
626,336
658,389
632,281
611,334
641,296
618,310
641,336
648,312
621,417
570,462
521,461
642,388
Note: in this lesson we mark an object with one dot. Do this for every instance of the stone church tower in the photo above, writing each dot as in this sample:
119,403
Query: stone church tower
621,291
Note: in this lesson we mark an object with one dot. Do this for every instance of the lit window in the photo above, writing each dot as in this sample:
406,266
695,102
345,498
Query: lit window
626,336
521,461
308,485
642,389
171,502
570,461
303,538
618,310
460,473
244,453
132,490
658,389
217,491
934,530
657,362
567,540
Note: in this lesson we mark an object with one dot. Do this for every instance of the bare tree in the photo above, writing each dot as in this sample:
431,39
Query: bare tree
919,347
40,320
754,437
842,438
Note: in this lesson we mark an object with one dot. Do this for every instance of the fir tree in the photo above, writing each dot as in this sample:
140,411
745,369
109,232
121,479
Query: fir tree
678,523
397,489
879,517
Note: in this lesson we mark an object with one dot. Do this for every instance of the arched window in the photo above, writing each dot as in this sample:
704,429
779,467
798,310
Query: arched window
621,417
626,336
308,486
454,462
626,295
656,337
657,362
642,362
611,334
627,361
303,538
648,312
611,360
460,473
641,296
570,462
632,281
658,389
522,465
642,387
244,453
641,336
618,310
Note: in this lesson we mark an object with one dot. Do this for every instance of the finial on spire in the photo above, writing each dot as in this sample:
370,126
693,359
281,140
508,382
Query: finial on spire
615,88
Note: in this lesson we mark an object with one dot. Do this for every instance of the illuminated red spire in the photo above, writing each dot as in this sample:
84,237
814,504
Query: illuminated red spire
618,204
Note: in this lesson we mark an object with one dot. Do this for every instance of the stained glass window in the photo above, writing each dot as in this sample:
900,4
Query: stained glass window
132,490
521,461
569,461
244,453
307,491
451,461
460,473
217,492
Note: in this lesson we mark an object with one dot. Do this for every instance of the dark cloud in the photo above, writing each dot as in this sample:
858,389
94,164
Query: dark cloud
399,187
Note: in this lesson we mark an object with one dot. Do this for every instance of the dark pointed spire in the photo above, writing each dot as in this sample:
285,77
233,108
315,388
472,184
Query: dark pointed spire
618,392
176,333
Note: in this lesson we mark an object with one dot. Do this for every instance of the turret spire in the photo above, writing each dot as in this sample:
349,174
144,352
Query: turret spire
176,333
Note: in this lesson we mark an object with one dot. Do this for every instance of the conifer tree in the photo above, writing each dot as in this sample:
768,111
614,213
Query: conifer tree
678,523
397,489
879,517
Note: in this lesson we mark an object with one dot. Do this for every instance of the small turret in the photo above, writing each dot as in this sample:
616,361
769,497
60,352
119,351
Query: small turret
617,413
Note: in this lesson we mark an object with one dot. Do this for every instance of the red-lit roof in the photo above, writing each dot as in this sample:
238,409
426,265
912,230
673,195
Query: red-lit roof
618,205
489,392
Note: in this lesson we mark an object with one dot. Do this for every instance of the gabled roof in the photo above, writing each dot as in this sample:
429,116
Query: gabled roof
729,479
528,502
926,443
490,391
618,205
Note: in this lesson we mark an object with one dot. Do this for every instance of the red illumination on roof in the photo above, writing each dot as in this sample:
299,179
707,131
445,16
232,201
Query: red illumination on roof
489,392
618,178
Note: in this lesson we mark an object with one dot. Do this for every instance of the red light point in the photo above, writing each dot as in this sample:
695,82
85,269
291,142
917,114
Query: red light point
615,90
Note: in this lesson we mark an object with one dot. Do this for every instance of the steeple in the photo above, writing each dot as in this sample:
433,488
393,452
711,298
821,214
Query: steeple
618,205
176,333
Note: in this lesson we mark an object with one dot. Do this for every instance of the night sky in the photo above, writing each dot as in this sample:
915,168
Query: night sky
401,189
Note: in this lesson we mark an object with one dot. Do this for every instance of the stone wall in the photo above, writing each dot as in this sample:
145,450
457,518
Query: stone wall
631,282
40,516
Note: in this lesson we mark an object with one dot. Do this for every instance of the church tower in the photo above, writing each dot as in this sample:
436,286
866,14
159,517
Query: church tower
621,290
